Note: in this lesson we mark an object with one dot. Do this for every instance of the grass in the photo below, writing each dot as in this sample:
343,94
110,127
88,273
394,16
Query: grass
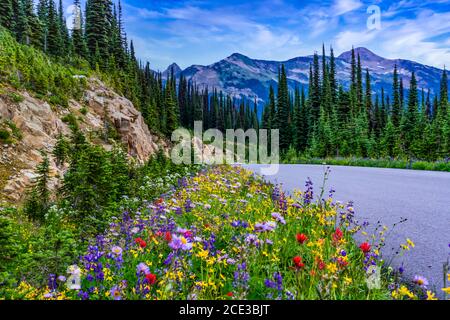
377,163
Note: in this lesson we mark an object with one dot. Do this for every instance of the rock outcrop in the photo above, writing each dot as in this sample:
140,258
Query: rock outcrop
39,124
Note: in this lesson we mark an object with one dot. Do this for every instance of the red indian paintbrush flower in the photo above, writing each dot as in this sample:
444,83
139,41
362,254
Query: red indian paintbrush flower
337,235
140,242
365,247
168,236
230,294
151,278
298,262
301,238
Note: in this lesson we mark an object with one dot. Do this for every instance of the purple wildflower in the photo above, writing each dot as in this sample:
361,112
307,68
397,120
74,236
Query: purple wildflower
142,268
420,281
180,243
115,293
278,217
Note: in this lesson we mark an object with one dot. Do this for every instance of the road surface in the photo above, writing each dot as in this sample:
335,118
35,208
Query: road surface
422,197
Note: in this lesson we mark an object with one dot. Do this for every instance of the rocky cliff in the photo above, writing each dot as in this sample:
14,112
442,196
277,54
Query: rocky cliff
34,125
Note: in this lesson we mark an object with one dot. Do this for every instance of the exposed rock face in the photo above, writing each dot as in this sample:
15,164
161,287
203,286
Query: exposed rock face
40,125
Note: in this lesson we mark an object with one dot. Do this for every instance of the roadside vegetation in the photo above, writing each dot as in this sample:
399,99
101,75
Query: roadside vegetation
293,158
225,233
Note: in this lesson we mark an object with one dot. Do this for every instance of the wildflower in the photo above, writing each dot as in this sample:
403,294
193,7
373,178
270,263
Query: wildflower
301,238
446,290
180,243
230,294
431,295
52,282
265,226
150,278
337,235
168,236
115,293
320,264
410,243
365,247
403,291
116,250
348,280
278,217
140,242
298,262
142,268
420,281
61,279
332,268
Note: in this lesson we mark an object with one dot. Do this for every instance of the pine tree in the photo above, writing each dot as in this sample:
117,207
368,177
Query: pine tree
78,40
22,29
315,91
60,150
428,111
283,111
66,46
7,14
54,40
97,29
401,95
38,200
170,107
443,103
332,77
396,109
359,86
43,16
368,102
409,119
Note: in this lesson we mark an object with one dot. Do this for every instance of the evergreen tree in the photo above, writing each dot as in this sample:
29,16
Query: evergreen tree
283,111
443,103
332,77
396,109
60,150
54,40
359,86
368,102
78,40
170,107
7,14
315,91
409,119
37,202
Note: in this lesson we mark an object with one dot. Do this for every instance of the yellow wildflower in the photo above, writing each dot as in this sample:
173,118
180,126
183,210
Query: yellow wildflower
410,242
430,295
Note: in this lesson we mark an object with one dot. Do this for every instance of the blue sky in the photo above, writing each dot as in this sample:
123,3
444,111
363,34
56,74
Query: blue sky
203,32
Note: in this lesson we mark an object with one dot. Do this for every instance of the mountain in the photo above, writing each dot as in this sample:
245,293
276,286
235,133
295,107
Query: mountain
173,67
242,76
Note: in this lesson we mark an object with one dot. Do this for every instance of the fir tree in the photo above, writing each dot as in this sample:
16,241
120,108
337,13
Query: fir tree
7,14
283,111
54,40
396,109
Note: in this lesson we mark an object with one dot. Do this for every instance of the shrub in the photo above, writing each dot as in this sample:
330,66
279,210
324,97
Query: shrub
5,136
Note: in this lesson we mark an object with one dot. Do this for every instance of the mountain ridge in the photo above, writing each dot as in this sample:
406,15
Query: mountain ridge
244,77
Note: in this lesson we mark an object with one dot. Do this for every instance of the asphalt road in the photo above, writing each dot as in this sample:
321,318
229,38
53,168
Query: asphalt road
422,197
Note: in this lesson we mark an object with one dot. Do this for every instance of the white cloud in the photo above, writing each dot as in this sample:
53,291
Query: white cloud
405,38
343,6
346,39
